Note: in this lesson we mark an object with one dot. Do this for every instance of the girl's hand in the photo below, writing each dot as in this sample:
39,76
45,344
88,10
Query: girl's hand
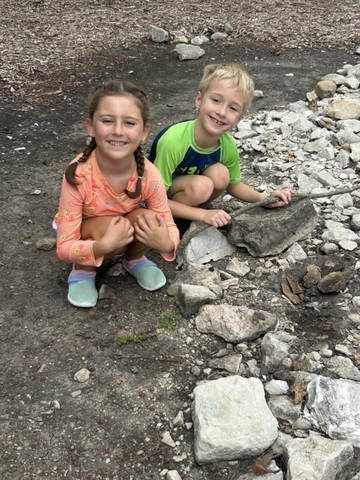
283,195
216,218
151,230
118,234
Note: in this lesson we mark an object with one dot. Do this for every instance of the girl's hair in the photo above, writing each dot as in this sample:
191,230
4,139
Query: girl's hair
114,88
229,71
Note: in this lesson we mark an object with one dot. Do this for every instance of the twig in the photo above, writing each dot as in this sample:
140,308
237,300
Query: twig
188,236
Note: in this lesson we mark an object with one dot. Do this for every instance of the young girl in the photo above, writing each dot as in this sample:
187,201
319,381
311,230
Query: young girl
99,214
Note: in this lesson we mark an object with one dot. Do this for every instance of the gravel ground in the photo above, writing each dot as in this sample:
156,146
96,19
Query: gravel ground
44,38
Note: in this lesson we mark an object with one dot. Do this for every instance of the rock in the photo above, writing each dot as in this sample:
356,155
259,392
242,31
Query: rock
82,375
179,419
231,420
342,367
334,282
284,408
158,35
235,267
193,274
234,324
276,474
190,298
334,408
325,89
177,36
336,231
46,243
209,244
188,52
219,36
343,110
230,363
316,458
166,438
275,350
296,252
276,387
313,276
173,475
266,232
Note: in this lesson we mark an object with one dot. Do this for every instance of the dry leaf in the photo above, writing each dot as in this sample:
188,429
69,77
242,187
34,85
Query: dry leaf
312,104
260,466
290,159
357,359
42,368
119,380
288,293
298,392
295,287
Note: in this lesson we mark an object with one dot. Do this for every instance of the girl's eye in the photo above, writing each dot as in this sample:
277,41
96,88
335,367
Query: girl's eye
107,121
234,109
130,123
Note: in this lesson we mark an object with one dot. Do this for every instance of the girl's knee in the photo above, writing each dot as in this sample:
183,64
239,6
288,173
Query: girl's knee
94,228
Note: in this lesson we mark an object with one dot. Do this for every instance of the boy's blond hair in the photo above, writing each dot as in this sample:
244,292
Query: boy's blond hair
229,71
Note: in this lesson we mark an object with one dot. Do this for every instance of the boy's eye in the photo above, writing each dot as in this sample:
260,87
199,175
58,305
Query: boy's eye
234,109
130,123
106,120
216,100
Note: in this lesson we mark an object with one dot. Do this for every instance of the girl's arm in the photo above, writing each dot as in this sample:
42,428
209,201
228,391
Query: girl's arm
70,248
156,200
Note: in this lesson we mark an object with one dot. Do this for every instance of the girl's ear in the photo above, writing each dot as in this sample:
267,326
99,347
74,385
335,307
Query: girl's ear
145,132
198,100
89,128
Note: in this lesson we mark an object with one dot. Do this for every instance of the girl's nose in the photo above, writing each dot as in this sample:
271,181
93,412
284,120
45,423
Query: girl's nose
118,130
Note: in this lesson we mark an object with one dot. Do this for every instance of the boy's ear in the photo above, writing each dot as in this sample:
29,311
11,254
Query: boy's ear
198,100
88,125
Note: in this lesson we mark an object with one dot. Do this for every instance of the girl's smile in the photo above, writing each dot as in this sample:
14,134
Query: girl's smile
118,128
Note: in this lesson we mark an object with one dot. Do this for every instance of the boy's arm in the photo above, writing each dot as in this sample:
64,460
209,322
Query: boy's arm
247,194
216,218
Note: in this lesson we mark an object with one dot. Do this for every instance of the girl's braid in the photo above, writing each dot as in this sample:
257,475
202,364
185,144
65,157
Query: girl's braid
70,172
140,165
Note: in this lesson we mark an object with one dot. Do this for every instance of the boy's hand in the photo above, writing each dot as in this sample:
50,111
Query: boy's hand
216,218
151,230
283,195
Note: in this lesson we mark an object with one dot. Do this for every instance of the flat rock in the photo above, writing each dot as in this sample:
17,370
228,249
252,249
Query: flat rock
266,232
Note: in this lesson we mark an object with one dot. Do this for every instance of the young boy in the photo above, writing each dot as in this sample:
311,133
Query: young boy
198,160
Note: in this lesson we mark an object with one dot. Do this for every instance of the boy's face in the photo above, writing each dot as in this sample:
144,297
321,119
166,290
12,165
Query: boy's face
220,107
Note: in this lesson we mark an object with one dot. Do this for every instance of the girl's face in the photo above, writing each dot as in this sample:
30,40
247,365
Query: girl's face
118,128
220,107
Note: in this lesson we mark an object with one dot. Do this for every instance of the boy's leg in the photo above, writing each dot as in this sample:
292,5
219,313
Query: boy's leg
191,190
219,175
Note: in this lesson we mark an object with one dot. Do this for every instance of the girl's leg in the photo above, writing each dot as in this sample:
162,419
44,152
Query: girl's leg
147,274
82,291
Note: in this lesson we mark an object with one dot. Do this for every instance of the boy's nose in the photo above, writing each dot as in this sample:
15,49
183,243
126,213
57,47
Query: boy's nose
221,110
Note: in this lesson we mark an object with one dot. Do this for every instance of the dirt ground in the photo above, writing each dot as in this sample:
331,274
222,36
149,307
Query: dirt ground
111,426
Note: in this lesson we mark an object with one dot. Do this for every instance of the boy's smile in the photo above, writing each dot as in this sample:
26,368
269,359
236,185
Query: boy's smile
220,109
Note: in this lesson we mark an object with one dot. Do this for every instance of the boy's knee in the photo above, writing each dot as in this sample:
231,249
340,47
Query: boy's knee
219,175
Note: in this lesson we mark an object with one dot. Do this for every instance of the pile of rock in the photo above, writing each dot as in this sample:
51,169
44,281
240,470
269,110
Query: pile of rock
188,48
309,394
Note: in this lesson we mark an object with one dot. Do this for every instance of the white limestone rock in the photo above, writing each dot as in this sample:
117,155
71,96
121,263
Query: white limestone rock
231,420
333,406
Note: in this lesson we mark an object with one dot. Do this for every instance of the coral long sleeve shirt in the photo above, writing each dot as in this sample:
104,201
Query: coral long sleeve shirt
93,197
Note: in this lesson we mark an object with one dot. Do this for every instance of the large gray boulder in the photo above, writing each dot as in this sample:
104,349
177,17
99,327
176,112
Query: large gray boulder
264,231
